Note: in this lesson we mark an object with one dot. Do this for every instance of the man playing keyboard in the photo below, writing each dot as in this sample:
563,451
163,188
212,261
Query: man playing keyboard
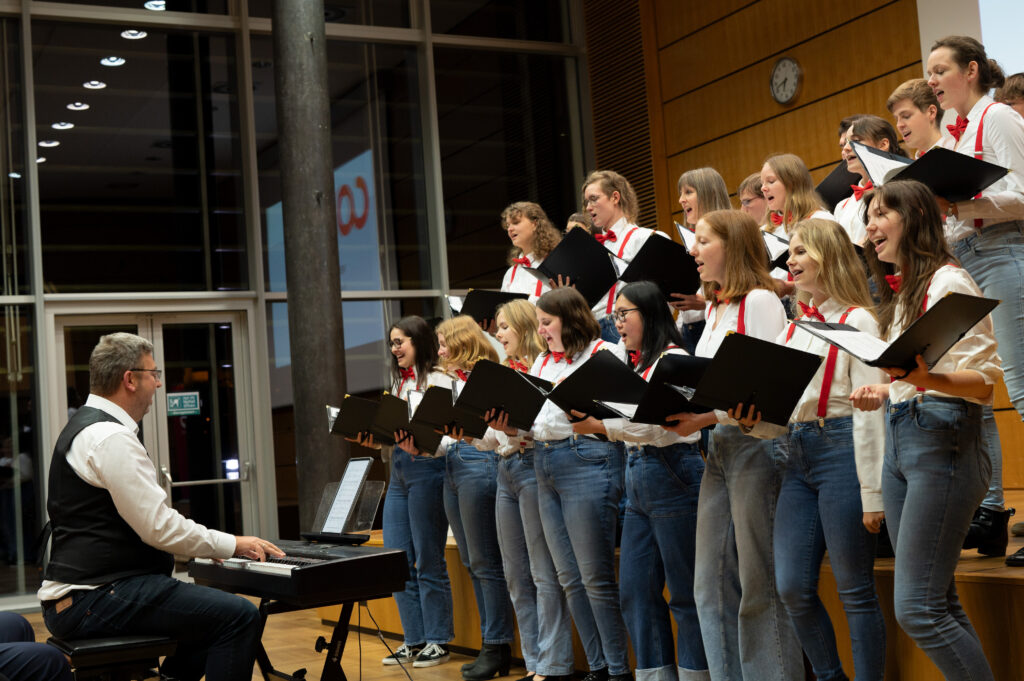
113,534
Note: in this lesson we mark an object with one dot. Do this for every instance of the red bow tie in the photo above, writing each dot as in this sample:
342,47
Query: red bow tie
407,373
776,219
518,366
957,130
559,356
635,356
463,376
524,261
810,311
858,191
894,281
606,236
721,301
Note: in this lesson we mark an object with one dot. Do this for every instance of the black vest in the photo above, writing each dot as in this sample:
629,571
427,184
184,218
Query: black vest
92,544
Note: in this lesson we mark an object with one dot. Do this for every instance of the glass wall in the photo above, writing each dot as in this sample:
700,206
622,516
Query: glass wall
13,237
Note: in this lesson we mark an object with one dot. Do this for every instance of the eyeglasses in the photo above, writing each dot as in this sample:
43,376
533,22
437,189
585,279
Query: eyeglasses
157,373
620,315
396,342
591,199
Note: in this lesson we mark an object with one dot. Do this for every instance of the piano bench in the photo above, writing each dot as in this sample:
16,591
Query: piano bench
119,658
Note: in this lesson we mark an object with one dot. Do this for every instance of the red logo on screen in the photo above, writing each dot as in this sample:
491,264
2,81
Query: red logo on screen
354,220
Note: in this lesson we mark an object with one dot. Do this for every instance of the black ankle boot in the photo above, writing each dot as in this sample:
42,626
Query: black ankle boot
494,658
988,531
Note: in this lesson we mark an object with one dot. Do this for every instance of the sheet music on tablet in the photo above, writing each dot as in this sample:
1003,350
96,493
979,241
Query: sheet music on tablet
345,497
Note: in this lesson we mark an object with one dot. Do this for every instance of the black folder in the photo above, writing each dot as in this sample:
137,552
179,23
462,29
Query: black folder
667,263
437,411
585,262
951,175
668,392
496,386
482,304
602,377
392,414
778,250
754,371
931,335
837,185
355,416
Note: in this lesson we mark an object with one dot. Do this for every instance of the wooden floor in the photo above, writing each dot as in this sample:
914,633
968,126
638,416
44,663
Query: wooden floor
290,637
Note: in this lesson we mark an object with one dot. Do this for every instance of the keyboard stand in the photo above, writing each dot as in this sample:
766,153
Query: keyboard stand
332,670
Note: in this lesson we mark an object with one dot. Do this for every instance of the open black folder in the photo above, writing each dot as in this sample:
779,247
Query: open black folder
392,416
837,185
437,410
482,304
953,176
671,383
931,335
585,262
754,371
354,416
665,262
496,386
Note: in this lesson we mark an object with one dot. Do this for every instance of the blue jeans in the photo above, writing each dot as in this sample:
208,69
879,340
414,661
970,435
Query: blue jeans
935,475
545,633
22,658
579,484
747,634
659,539
994,498
414,521
217,632
608,330
691,334
820,507
995,260
471,483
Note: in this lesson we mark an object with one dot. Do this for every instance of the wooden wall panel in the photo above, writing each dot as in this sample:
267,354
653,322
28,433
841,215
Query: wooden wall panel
759,31
679,19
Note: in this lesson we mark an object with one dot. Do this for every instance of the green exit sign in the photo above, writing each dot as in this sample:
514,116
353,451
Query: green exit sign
183,404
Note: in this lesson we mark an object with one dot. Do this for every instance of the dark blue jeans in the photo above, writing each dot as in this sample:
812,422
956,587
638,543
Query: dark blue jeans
471,484
22,658
414,521
819,507
217,632
658,546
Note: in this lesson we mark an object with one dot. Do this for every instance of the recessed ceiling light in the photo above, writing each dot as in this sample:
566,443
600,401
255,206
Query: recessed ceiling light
155,5
14,176
62,125
49,143
112,61
133,34
94,85
78,106
41,159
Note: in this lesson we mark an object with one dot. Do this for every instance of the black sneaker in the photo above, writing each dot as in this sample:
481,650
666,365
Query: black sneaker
432,654
404,655
597,675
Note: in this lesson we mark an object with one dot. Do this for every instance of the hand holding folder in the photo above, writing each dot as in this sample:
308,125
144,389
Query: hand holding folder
584,262
931,335
437,412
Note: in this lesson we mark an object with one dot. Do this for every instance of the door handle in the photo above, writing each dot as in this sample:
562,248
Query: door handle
165,475
246,467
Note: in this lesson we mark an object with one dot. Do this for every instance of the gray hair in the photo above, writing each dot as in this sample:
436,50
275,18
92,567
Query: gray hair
115,354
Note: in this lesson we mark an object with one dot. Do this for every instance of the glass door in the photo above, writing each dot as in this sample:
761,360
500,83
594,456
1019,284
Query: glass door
199,430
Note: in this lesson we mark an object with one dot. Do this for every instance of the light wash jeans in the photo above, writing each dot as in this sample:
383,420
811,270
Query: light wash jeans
471,484
747,634
545,631
659,539
579,484
820,507
935,475
414,521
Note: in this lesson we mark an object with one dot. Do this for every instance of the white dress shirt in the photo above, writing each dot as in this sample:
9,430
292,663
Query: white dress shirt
644,433
1003,145
848,213
110,456
850,373
976,351
516,280
629,239
552,423
764,318
437,377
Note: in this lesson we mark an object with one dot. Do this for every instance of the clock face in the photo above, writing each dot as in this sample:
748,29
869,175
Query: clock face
785,81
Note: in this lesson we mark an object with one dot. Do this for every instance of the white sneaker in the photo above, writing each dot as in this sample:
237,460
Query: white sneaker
404,655
432,654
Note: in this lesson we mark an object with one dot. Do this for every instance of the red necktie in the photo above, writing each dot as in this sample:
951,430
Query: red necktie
894,281
957,130
776,219
463,376
559,356
810,311
606,236
524,261
634,357
858,191
407,373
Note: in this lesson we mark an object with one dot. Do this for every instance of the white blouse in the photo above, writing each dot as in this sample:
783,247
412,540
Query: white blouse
976,351
518,281
403,386
629,239
764,318
848,213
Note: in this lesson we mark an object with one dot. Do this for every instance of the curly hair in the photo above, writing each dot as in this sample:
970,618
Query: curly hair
545,237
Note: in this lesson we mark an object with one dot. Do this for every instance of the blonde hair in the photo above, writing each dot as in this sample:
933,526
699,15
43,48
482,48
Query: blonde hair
545,237
466,343
746,259
611,182
840,271
521,315
801,198
1012,89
